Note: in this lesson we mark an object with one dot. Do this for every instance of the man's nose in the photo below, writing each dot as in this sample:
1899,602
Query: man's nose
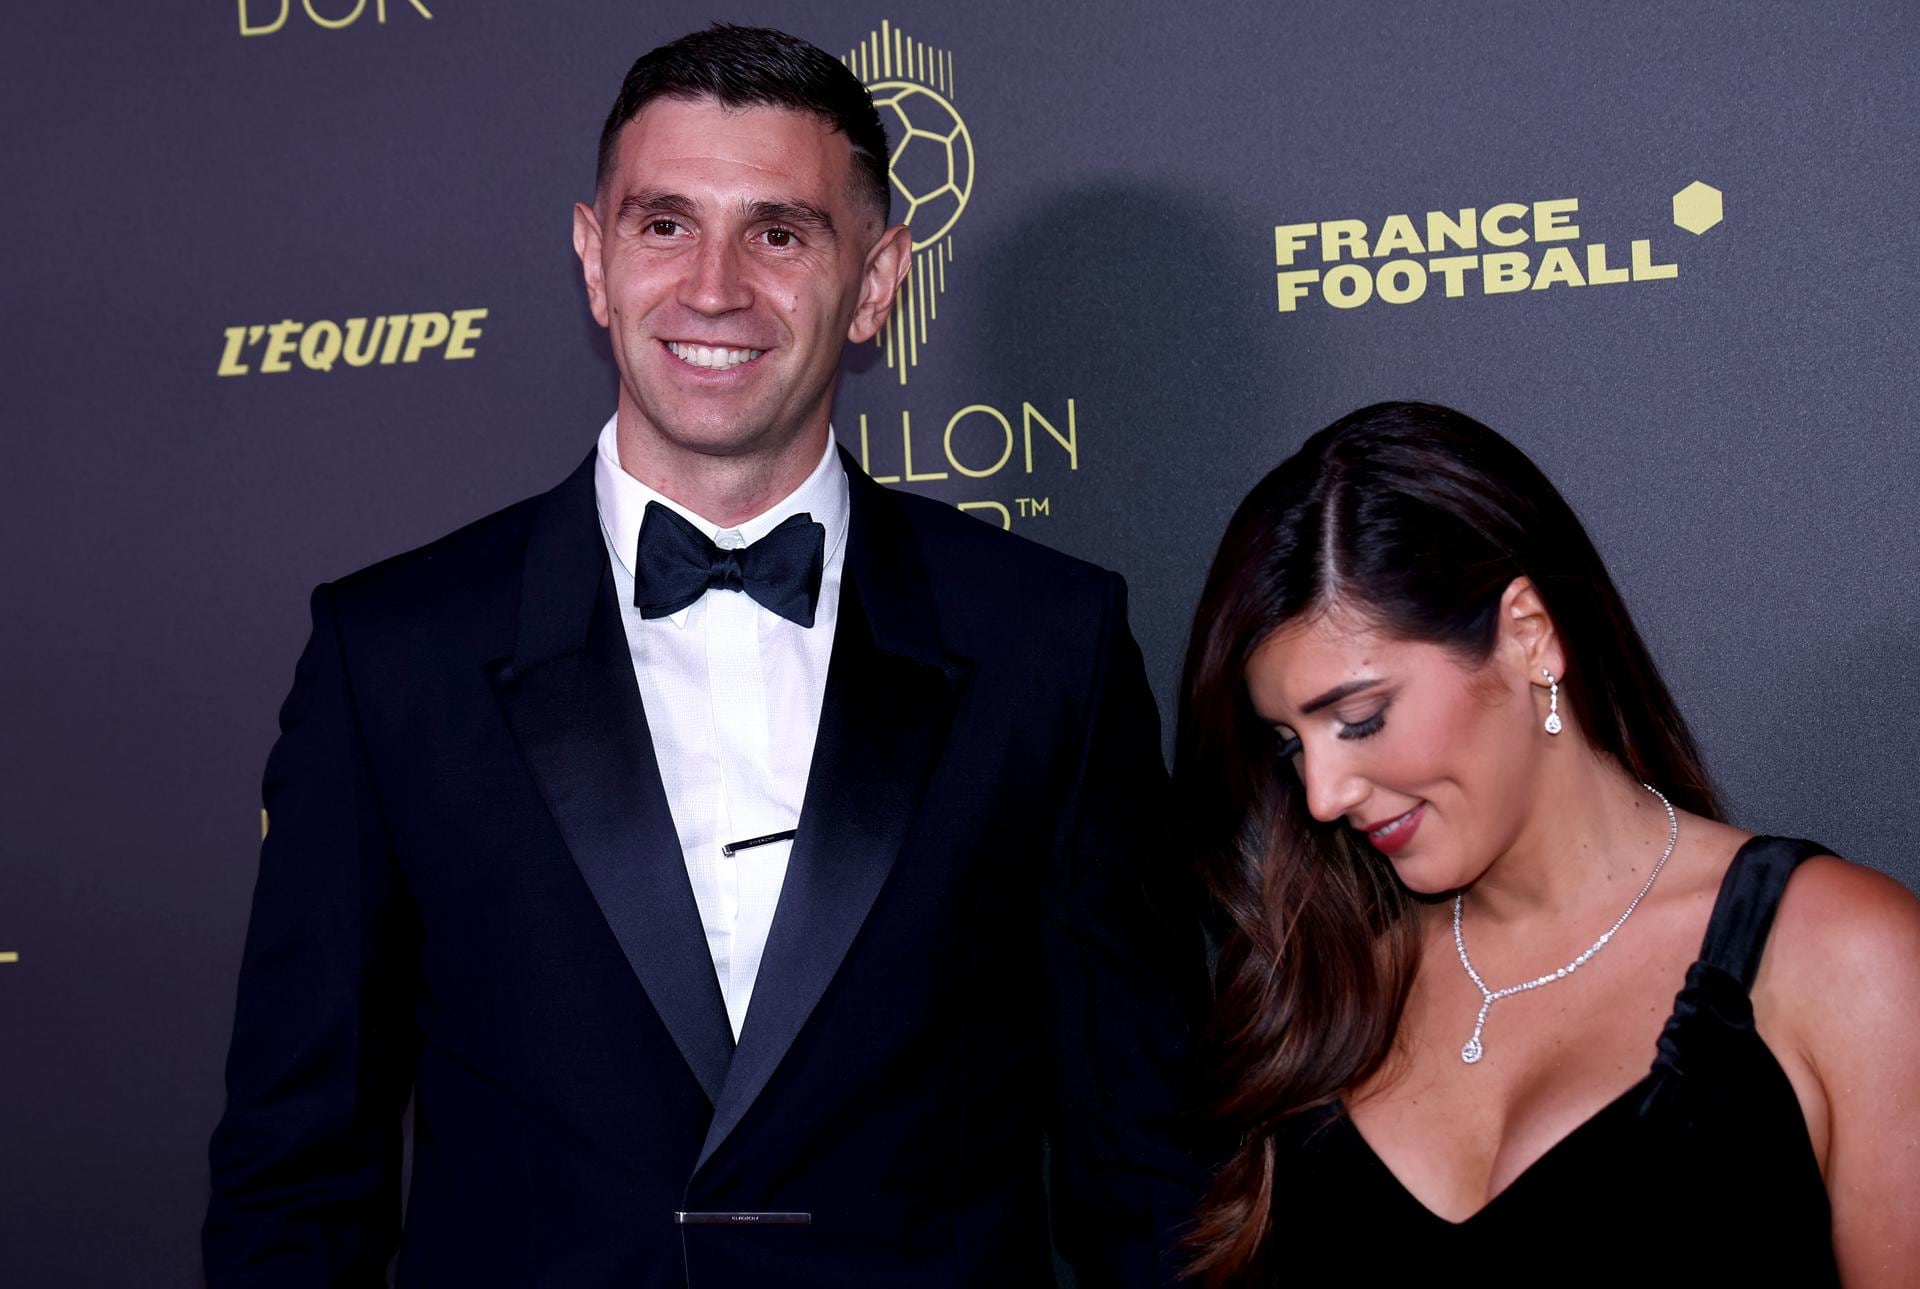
1334,790
716,279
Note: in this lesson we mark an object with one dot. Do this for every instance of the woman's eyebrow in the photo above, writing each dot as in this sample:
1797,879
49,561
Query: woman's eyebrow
1337,693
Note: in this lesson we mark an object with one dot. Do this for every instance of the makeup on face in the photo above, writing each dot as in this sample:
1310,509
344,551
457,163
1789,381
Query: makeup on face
1428,756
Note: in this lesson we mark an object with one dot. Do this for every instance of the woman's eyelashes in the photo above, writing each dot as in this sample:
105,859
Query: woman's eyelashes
1366,728
1287,744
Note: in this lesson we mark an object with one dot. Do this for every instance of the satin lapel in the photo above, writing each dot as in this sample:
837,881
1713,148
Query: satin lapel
570,696
889,702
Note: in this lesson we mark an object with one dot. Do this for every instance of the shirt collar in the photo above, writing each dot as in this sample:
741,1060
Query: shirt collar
623,502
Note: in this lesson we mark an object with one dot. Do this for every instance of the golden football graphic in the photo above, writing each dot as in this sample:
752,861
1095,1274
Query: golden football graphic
932,164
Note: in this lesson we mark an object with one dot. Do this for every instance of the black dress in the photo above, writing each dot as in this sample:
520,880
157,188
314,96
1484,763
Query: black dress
1701,1173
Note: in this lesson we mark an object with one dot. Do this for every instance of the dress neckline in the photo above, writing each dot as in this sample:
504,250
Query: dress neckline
1540,1162
1732,902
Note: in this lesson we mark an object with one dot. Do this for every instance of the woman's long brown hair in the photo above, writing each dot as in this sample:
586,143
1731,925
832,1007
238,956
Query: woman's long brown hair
1420,518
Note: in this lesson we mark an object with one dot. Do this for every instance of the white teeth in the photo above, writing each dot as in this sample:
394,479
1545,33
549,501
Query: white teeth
710,357
1393,827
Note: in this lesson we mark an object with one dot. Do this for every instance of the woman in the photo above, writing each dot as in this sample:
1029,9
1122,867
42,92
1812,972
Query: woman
1466,852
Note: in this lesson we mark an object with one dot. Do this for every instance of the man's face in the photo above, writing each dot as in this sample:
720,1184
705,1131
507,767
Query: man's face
730,257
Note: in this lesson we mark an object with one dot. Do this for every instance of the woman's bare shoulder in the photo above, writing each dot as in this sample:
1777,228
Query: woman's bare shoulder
1843,960
1837,912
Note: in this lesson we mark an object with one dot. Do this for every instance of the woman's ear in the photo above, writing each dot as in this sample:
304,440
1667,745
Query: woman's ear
1527,635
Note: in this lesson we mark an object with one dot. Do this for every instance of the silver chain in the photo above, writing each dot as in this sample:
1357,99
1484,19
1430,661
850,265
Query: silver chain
1471,1051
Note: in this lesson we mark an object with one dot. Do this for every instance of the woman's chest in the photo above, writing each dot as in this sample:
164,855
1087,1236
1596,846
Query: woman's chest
1549,1060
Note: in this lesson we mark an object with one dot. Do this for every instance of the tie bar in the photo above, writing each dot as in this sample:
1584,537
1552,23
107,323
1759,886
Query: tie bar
734,1217
730,847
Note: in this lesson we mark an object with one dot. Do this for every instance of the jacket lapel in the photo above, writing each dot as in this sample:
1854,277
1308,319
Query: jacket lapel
570,697
889,701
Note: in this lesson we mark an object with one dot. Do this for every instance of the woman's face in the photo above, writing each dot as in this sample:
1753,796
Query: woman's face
1431,759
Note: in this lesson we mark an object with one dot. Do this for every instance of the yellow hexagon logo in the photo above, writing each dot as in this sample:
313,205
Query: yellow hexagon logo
1697,208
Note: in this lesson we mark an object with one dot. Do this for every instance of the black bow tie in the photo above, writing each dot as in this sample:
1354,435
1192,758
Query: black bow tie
676,565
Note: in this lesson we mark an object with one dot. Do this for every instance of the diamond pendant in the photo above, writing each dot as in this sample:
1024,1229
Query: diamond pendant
1470,1053
1553,722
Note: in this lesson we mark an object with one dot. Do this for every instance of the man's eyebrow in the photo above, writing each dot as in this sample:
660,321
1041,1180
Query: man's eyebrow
1337,693
655,201
802,213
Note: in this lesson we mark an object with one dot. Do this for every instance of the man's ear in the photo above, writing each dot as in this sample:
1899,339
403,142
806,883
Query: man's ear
586,244
886,268
1527,634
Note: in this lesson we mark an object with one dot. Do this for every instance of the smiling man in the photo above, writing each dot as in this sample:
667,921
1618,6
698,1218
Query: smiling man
746,871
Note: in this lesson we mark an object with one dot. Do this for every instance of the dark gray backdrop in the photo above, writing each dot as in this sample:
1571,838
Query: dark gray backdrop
1739,437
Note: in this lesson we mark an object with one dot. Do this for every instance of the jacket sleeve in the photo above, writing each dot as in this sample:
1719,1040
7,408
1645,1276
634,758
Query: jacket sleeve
1128,990
306,1160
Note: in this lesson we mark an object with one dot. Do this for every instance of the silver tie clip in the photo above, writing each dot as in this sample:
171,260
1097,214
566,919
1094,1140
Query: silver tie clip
751,842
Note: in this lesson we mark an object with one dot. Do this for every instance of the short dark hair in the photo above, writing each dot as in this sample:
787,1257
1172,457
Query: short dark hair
741,67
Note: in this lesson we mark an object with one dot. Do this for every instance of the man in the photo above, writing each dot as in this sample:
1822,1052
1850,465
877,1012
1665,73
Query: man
744,868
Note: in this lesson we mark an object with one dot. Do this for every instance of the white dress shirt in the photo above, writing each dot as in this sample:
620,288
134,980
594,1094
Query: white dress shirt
732,694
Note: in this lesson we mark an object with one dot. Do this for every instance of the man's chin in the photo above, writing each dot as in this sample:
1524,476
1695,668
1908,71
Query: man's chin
710,424
730,438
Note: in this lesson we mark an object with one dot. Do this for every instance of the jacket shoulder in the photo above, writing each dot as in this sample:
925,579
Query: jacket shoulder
469,579
949,533
474,553
980,573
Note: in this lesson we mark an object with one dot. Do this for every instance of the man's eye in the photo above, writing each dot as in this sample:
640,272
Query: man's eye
663,227
779,237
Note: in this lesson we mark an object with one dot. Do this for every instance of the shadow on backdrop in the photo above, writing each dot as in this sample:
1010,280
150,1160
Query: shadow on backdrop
1132,299
1138,300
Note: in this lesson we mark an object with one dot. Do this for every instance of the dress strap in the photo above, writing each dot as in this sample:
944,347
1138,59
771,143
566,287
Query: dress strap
1749,895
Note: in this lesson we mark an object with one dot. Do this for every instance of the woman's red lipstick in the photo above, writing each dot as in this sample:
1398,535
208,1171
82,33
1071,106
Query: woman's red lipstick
1392,837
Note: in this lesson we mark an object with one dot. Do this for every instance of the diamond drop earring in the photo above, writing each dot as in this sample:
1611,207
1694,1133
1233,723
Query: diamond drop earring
1553,702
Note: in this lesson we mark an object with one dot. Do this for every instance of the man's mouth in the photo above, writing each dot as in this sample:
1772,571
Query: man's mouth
711,357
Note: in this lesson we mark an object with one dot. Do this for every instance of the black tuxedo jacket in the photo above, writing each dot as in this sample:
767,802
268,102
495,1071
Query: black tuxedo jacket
471,892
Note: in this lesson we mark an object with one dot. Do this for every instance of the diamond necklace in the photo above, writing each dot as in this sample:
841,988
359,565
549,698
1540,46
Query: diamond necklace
1471,1051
